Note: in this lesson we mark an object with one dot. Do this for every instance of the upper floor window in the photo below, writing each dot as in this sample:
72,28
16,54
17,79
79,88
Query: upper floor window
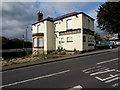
69,39
88,24
69,24
38,28
56,24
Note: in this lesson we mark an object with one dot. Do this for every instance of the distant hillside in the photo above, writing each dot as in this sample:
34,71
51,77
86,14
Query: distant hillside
14,43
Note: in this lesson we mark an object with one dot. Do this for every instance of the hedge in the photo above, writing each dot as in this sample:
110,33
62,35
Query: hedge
14,54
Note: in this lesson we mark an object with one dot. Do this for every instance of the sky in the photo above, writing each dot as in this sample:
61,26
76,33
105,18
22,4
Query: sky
16,16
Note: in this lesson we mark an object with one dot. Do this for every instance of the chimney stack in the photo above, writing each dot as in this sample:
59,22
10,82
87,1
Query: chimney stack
40,15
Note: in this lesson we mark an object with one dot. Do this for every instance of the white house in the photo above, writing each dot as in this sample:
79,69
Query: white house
71,31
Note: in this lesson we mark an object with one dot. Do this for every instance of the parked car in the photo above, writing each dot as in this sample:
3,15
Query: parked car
103,45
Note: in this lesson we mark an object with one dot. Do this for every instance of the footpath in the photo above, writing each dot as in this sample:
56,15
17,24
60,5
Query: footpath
38,62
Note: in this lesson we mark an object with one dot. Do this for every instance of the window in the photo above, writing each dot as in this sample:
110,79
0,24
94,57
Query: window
40,42
90,44
55,26
84,39
88,24
69,39
34,42
38,28
69,24
62,40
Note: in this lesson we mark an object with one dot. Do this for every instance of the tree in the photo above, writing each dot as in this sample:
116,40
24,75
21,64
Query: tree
97,37
14,43
108,17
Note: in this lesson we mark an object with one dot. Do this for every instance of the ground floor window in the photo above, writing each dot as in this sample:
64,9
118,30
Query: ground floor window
84,39
69,39
35,42
62,40
40,42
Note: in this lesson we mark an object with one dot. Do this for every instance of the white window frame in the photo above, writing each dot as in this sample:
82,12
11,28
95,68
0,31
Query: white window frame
56,26
69,24
62,40
34,42
38,28
69,39
40,42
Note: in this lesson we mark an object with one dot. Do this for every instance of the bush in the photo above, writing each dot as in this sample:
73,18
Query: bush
14,54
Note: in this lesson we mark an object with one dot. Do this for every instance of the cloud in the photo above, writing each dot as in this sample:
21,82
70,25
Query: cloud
16,16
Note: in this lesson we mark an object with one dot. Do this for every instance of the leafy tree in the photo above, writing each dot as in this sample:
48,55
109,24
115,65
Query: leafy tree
108,17
97,37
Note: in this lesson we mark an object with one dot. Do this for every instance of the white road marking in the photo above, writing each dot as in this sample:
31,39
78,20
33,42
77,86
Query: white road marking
115,85
100,72
78,87
96,70
107,61
91,68
28,80
111,76
112,80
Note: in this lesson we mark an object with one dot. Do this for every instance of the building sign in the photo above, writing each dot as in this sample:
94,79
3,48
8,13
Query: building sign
70,32
88,31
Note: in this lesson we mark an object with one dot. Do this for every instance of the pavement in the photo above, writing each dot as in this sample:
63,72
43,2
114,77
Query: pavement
16,66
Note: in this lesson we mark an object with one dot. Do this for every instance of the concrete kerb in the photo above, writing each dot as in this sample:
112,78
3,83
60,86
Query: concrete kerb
16,66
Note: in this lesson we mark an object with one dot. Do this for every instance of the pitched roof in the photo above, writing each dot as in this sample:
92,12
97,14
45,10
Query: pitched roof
62,17
66,15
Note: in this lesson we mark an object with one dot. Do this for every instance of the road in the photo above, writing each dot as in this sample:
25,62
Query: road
95,71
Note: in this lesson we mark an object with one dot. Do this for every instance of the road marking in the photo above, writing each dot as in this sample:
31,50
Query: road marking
78,87
107,61
96,70
112,80
91,68
100,72
111,76
115,85
28,80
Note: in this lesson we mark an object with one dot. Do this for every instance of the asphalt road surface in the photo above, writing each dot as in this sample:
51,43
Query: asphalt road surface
94,71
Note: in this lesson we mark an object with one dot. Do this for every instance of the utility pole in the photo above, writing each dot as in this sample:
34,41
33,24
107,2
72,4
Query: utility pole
23,42
26,41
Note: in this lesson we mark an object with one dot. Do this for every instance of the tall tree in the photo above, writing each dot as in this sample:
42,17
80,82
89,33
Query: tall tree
97,38
108,17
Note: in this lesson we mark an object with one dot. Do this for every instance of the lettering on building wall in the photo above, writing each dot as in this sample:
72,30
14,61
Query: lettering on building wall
70,32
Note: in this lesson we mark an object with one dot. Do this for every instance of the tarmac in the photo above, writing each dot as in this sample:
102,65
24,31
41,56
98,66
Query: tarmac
38,62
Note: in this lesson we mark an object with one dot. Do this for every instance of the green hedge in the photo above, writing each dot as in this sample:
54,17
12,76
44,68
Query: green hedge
14,54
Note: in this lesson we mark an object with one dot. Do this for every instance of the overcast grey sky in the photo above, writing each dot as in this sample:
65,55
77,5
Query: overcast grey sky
16,16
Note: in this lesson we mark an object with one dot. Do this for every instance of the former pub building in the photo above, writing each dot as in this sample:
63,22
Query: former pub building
71,31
